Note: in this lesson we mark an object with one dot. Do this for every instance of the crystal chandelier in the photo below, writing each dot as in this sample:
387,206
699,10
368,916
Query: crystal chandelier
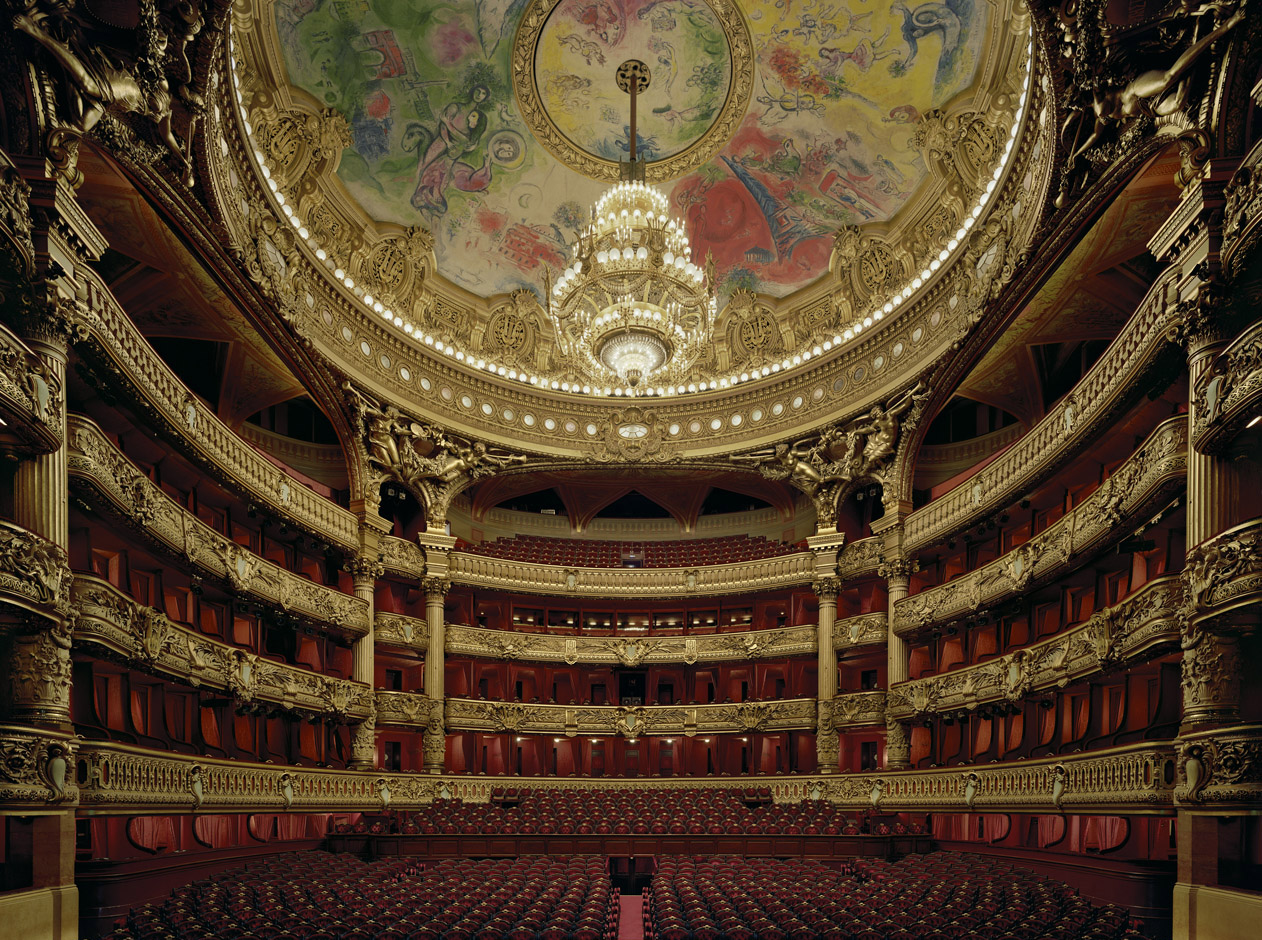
632,305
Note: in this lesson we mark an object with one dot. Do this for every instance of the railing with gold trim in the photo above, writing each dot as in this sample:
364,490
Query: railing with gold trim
115,343
630,651
1114,380
97,465
1229,395
109,619
34,572
402,557
1153,474
1143,625
858,710
763,574
1223,579
400,630
863,630
630,721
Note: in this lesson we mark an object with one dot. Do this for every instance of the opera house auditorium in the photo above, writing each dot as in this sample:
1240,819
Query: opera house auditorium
597,469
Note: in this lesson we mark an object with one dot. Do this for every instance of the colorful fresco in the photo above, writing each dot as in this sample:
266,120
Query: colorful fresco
438,140
686,52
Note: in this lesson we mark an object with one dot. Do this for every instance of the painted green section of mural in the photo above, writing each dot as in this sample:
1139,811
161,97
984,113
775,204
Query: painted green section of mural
437,139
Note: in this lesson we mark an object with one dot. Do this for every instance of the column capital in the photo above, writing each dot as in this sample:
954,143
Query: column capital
365,568
827,589
435,587
898,570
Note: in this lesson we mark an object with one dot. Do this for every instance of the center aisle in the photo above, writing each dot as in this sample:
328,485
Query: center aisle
631,918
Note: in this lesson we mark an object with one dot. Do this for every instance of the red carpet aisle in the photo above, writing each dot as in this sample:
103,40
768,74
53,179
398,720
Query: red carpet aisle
631,919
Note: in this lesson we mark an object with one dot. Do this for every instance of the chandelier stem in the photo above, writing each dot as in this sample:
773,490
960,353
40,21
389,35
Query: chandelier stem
635,84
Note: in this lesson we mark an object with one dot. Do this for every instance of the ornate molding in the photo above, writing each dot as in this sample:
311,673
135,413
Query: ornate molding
115,345
1223,577
628,721
858,710
1222,767
400,630
1143,625
1133,778
628,651
1151,475
37,769
860,558
1229,395
34,572
765,574
144,637
402,557
99,470
32,405
863,630
409,709
1109,385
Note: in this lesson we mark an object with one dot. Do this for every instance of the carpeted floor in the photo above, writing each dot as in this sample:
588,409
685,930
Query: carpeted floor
631,920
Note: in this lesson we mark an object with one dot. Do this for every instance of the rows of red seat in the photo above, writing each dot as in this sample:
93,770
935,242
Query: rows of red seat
921,897
605,553
318,896
640,810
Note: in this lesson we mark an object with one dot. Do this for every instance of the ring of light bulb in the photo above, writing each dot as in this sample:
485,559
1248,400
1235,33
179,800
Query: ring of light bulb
847,334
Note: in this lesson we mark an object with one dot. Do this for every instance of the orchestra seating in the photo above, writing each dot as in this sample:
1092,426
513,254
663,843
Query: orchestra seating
921,897
605,553
320,896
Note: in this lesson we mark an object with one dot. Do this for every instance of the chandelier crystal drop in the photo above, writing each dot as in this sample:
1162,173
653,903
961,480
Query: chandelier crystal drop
632,303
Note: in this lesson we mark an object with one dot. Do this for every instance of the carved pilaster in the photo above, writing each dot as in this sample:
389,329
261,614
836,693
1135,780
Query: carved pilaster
1211,676
364,745
434,741
365,570
37,673
827,749
827,590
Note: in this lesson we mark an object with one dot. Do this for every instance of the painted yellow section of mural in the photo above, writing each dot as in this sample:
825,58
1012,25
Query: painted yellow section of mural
437,139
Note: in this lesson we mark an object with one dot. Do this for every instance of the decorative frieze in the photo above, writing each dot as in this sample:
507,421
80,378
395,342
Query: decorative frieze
858,710
1151,475
1229,395
1223,578
629,651
1070,427
107,619
863,630
96,466
764,574
630,721
1223,766
31,400
139,374
401,630
37,769
402,557
1140,626
860,558
121,778
410,709
34,572
1136,777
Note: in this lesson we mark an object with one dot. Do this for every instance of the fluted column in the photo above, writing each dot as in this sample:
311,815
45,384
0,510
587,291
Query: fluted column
827,750
435,739
365,570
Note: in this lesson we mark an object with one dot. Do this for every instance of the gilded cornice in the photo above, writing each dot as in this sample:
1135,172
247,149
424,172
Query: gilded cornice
863,630
763,574
1150,475
1229,394
32,405
1141,626
401,557
108,620
105,476
37,769
116,346
1223,581
401,630
34,572
512,413
630,721
630,651
1068,429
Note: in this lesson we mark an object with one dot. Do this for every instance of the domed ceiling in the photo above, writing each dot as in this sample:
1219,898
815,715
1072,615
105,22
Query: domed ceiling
495,124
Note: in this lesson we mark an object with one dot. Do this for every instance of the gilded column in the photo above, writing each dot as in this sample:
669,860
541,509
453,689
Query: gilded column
365,570
897,574
827,751
435,740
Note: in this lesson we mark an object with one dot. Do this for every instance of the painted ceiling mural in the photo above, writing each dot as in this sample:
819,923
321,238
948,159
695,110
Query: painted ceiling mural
825,140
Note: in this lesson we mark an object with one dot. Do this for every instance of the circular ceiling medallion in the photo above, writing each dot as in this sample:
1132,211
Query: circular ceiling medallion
701,59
